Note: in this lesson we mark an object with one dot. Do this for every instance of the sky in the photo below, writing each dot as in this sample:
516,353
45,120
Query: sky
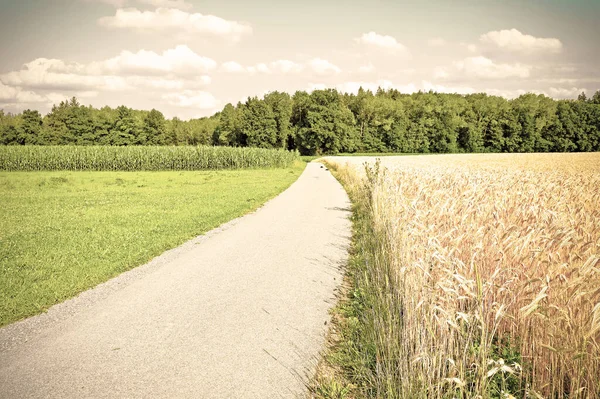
188,58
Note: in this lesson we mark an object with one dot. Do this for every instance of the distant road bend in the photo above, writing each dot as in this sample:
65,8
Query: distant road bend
240,313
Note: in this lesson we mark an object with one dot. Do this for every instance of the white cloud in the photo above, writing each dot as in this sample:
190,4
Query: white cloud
436,42
352,87
323,67
285,66
407,88
427,86
169,19
366,68
233,67
509,94
179,60
483,67
114,3
472,48
514,40
316,86
388,43
559,80
161,83
279,66
192,99
559,92
174,75
262,68
441,73
15,95
52,74
179,4
173,68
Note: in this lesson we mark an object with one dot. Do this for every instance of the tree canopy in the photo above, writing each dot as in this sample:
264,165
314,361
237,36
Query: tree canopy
330,122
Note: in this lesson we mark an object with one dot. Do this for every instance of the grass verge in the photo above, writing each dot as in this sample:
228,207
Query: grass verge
64,232
346,369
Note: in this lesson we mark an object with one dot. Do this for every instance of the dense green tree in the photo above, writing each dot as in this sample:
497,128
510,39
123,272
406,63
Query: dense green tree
281,105
126,130
258,124
203,129
8,129
327,121
55,130
154,128
560,133
228,130
178,132
29,130
104,121
328,125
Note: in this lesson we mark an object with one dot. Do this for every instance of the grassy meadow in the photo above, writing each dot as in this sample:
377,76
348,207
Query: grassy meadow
63,232
470,276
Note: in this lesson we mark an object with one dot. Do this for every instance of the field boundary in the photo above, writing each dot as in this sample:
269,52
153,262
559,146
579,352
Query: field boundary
334,375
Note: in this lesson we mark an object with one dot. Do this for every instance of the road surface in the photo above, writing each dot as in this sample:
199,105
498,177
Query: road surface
238,313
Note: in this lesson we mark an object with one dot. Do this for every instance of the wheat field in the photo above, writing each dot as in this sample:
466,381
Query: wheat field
484,279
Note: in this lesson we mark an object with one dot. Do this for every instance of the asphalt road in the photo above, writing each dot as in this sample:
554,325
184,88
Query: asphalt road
240,313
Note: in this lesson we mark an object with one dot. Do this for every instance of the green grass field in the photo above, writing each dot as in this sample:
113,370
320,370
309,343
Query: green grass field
64,232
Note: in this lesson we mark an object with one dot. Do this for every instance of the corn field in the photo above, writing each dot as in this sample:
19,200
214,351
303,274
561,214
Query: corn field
107,158
484,275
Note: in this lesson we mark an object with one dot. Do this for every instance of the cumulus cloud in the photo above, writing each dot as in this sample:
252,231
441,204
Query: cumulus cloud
192,99
52,74
174,20
279,66
15,95
352,86
175,76
384,42
323,67
284,67
408,88
114,3
126,71
427,86
180,60
179,4
514,40
560,92
510,94
161,83
470,47
262,68
483,67
436,42
366,68
441,73
233,67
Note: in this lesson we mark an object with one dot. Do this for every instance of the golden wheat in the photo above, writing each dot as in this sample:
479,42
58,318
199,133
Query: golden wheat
487,274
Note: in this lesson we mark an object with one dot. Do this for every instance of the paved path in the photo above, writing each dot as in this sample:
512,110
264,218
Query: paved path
240,314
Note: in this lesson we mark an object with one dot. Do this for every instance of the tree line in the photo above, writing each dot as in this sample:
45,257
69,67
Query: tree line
329,122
